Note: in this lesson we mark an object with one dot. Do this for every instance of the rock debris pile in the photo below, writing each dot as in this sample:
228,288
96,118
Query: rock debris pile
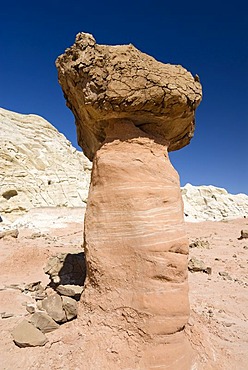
54,304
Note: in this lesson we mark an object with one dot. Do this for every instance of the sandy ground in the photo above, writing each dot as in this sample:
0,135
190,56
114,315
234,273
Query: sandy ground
218,326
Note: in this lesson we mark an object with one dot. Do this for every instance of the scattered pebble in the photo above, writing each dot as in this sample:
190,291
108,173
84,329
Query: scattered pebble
196,265
244,234
225,275
5,315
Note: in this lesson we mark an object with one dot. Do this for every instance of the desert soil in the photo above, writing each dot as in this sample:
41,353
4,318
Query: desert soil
218,326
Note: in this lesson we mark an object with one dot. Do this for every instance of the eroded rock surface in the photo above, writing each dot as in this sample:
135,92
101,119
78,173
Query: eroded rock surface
34,172
101,83
27,335
53,306
129,110
43,322
209,203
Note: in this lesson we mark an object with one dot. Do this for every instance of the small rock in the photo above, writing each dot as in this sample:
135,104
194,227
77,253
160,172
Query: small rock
38,295
228,324
33,287
39,306
245,247
30,307
26,335
43,322
49,290
208,270
5,315
15,286
53,306
196,265
70,290
70,307
198,243
210,313
36,289
9,233
225,275
191,321
37,235
244,234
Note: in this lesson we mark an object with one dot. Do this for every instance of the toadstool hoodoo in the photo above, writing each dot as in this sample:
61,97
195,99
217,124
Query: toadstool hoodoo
130,110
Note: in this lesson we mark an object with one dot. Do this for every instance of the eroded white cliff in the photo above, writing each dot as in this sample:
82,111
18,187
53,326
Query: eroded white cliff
203,203
38,166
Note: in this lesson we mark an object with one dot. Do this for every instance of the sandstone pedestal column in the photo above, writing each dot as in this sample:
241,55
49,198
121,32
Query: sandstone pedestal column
130,110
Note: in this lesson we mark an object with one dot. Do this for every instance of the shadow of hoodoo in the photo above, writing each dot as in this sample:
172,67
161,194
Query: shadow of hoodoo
73,270
67,272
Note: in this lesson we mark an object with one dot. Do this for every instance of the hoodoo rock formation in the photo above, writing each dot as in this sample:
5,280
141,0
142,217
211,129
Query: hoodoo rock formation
130,110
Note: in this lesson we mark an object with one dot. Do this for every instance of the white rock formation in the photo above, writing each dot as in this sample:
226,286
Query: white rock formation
202,203
38,166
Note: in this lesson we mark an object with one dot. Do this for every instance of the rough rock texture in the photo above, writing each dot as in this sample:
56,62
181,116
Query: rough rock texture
39,166
129,110
53,306
70,290
244,234
43,322
27,335
12,233
202,203
70,307
101,83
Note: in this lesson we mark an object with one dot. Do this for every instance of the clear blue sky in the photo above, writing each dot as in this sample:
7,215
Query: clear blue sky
209,38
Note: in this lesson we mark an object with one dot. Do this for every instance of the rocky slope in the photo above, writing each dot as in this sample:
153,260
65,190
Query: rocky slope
39,166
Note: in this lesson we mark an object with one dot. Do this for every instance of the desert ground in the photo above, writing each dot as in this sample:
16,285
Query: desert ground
218,325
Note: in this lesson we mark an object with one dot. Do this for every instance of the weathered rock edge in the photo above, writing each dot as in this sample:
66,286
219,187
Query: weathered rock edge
135,304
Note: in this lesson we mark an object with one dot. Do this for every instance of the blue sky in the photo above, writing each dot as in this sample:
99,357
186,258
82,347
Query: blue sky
209,38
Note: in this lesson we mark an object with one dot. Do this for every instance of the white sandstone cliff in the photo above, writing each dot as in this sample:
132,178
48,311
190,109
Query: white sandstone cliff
38,166
202,203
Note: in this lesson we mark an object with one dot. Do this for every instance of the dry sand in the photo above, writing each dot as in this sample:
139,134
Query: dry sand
218,326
